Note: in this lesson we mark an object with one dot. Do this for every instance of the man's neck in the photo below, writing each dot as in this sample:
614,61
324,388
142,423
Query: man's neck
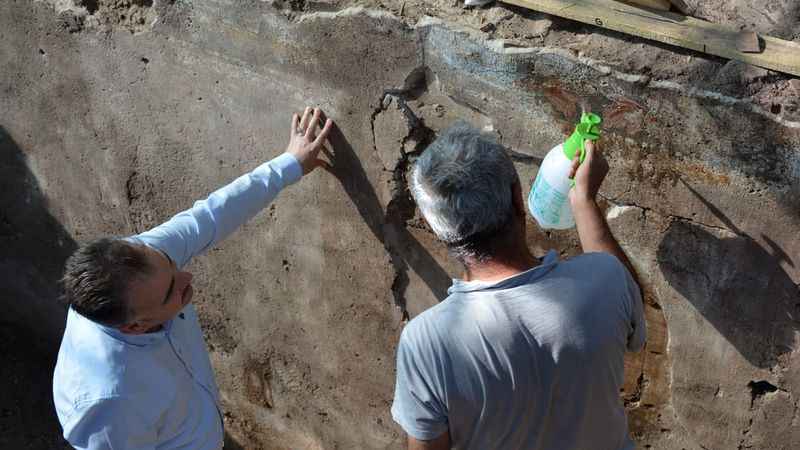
499,267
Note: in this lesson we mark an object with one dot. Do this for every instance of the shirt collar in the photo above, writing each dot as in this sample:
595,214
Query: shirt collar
137,340
548,263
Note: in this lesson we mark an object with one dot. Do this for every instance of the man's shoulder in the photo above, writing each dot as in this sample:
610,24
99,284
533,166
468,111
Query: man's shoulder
597,266
92,365
432,323
598,275
86,365
602,259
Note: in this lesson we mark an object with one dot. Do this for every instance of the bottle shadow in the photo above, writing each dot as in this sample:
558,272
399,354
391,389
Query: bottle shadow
737,284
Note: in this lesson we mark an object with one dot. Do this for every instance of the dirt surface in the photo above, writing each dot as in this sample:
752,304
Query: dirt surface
120,113
27,417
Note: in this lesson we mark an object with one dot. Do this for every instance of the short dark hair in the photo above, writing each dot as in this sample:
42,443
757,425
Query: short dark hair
484,245
96,279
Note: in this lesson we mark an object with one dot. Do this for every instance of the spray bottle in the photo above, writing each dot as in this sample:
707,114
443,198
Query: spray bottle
548,202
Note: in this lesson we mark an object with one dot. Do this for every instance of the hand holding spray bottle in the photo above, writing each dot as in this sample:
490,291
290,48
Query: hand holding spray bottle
548,201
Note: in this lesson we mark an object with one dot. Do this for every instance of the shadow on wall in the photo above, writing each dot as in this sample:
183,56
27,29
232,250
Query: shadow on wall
405,250
33,248
231,443
737,285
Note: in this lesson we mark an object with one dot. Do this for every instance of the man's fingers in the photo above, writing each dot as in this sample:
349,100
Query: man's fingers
573,169
594,148
304,120
589,148
312,126
295,123
323,135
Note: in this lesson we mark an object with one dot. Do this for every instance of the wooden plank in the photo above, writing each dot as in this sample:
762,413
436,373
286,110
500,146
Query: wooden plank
661,5
673,29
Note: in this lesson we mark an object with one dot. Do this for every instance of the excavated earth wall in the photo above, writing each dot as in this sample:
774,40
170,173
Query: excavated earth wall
116,114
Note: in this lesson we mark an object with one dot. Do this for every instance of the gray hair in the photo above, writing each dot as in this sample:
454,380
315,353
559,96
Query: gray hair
462,183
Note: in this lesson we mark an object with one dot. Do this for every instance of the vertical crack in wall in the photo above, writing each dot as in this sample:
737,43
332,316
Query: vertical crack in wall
397,212
397,135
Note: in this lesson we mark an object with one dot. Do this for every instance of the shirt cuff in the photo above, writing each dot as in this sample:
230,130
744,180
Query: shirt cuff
286,166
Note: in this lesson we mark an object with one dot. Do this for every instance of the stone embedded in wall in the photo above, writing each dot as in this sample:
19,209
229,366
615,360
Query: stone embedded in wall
393,127
135,16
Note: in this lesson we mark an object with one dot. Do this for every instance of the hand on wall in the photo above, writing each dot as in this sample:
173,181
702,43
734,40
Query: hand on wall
304,142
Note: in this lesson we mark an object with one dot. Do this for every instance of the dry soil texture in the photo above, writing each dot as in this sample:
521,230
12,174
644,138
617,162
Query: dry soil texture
117,114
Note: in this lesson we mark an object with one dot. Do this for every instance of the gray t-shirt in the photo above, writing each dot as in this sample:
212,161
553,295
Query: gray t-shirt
534,361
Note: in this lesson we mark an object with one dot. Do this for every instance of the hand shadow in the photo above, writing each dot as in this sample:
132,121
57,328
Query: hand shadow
737,285
390,229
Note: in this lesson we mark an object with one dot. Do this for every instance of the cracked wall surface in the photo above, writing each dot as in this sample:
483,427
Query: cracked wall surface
117,114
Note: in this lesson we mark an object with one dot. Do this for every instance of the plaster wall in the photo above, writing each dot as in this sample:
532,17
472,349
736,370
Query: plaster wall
114,115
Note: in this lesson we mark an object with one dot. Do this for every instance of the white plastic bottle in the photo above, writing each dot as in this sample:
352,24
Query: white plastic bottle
548,200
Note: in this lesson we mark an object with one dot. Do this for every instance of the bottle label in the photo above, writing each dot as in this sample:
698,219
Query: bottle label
545,201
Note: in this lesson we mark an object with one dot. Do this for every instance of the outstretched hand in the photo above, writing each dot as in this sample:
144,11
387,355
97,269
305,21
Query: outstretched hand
589,174
304,142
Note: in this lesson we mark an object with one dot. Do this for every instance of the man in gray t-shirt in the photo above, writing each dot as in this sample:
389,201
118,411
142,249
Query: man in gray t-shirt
523,354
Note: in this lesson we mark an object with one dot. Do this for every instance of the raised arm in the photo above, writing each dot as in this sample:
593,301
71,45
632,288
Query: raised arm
211,220
592,227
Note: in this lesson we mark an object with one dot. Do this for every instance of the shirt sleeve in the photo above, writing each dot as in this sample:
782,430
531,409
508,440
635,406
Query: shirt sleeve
209,221
416,407
110,424
637,330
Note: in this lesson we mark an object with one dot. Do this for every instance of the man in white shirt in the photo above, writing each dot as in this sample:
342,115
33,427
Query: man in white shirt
133,370
522,354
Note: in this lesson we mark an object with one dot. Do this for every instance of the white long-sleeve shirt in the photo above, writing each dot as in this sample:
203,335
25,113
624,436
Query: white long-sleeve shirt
157,390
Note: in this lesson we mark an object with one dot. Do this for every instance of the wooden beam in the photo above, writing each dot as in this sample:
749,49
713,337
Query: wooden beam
661,5
671,28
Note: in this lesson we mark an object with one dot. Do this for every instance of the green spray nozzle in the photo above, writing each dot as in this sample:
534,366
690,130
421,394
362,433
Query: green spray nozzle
588,128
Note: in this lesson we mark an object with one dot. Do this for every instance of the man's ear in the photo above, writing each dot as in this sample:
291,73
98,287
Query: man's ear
516,199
